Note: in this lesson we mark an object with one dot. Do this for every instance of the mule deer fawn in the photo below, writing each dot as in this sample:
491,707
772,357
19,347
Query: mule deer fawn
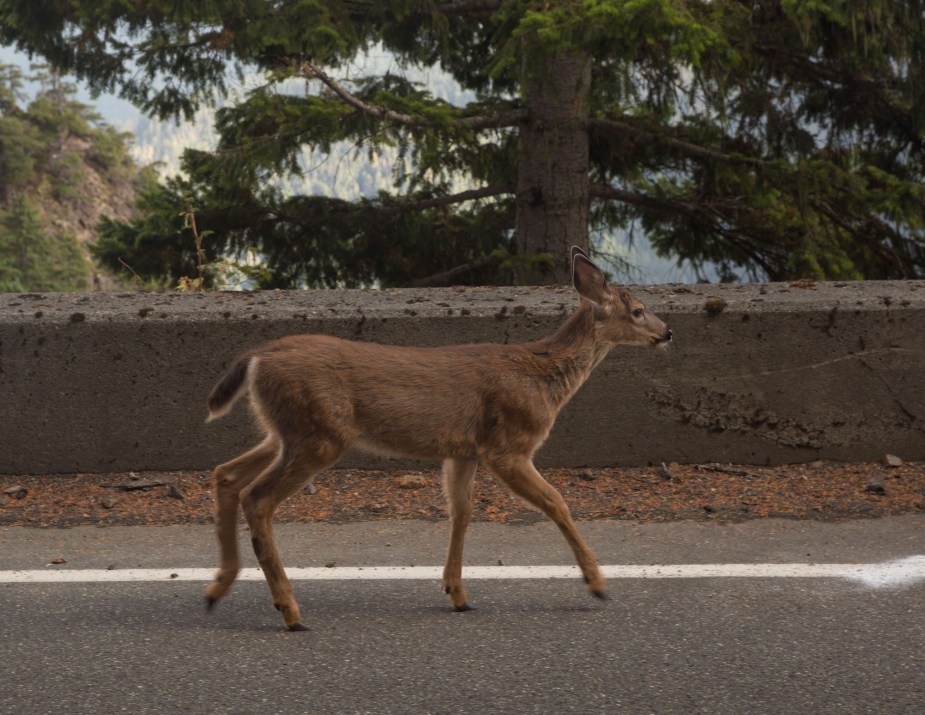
316,396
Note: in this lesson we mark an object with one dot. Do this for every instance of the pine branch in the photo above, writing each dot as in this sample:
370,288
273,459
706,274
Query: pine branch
885,92
705,212
898,258
702,213
627,197
469,7
458,8
487,121
679,144
462,196
348,211
445,278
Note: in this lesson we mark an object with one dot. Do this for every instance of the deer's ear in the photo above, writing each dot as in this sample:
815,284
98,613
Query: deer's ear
578,251
588,279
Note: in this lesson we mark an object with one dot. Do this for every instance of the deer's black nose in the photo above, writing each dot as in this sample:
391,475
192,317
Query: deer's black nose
667,337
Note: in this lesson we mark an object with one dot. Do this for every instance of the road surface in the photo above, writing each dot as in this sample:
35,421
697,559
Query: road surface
843,633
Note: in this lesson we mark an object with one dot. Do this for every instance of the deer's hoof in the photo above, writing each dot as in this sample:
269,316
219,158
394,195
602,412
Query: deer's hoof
210,603
601,595
297,626
463,608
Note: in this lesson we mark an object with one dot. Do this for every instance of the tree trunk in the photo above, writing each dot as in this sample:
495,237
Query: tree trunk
553,184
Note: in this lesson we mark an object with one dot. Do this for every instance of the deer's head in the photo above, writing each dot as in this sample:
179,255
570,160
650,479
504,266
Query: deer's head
620,318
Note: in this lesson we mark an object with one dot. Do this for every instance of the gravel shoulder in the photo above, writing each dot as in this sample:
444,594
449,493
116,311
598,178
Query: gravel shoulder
711,492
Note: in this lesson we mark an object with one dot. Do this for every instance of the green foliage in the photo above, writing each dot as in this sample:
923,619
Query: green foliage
775,140
20,140
109,151
301,240
54,108
153,247
68,175
815,165
662,31
44,144
20,147
32,259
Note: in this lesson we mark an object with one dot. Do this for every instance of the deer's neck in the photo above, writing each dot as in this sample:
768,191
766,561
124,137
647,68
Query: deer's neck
571,353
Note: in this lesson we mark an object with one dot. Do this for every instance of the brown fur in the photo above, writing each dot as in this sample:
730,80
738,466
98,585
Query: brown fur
316,396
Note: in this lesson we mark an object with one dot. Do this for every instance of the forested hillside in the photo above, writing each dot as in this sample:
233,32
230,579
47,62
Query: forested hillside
61,169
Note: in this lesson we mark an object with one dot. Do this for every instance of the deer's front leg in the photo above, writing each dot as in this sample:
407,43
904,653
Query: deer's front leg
522,478
458,479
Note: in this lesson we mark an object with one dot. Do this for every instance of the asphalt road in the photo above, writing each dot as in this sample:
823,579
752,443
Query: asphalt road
700,645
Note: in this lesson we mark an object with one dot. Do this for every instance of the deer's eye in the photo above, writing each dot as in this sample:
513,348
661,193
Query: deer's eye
638,313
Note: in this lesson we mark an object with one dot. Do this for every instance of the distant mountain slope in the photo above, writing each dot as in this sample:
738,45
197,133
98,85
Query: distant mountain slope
61,169
345,172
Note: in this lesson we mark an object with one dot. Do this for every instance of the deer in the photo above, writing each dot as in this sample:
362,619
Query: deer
316,396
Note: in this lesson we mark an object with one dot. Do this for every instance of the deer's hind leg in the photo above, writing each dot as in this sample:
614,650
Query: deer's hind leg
522,478
296,466
458,480
230,478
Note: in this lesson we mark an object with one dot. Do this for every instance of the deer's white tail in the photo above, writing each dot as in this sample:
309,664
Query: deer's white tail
227,391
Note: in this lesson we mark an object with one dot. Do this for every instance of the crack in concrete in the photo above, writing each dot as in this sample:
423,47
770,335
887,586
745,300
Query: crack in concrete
823,363
744,410
915,420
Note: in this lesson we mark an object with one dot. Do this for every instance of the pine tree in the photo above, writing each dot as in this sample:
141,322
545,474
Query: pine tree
19,140
776,139
33,259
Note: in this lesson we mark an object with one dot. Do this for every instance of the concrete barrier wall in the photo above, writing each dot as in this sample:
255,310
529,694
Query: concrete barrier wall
783,373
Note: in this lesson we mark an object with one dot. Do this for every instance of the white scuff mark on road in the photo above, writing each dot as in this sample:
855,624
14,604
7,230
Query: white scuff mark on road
891,574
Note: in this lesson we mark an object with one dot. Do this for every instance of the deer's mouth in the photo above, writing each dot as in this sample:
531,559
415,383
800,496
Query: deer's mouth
663,340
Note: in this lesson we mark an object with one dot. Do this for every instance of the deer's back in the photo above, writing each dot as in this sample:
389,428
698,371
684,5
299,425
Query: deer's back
458,401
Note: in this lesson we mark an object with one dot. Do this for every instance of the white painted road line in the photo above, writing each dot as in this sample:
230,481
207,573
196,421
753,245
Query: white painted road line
900,572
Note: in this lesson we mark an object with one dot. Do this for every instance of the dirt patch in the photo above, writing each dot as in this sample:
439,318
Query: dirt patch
820,490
